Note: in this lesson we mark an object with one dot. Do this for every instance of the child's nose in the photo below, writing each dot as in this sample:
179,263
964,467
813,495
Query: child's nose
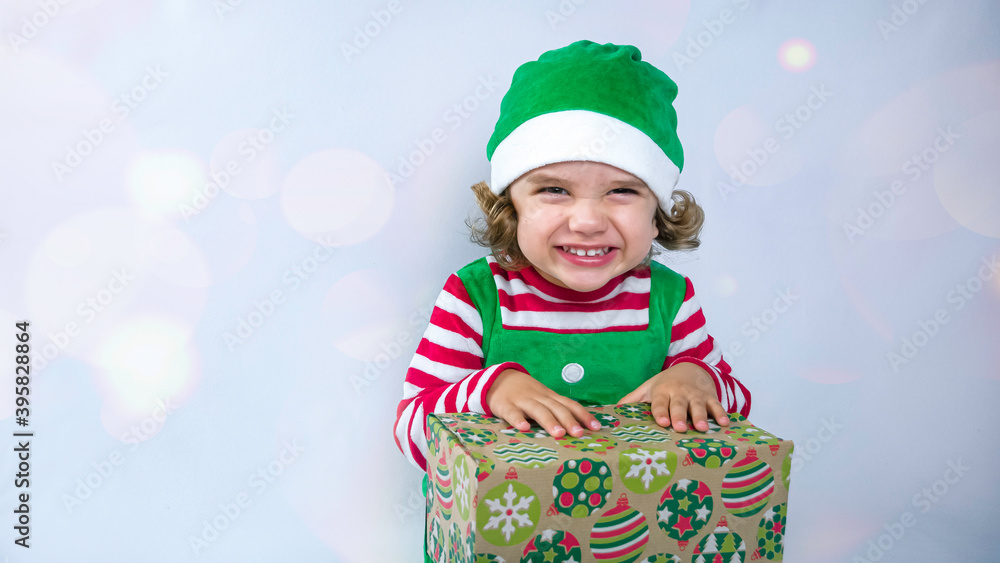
587,216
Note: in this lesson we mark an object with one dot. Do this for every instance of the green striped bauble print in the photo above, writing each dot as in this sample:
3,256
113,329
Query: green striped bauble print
526,454
620,534
442,489
748,486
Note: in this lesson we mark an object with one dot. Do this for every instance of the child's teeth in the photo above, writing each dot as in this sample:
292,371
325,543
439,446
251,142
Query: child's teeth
591,252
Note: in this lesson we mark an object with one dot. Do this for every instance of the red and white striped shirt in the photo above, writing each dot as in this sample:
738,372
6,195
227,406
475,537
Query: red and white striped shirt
447,372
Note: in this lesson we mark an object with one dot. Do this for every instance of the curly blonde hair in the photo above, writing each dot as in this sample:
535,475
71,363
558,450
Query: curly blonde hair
497,229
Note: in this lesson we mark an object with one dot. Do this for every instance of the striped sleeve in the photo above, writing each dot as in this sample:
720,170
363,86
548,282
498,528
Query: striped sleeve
690,342
447,372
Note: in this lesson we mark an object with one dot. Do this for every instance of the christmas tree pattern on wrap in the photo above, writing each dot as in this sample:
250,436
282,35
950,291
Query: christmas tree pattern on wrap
508,513
581,486
620,534
525,454
646,470
552,546
588,443
721,546
435,543
685,508
770,533
708,452
640,433
748,486
662,558
460,551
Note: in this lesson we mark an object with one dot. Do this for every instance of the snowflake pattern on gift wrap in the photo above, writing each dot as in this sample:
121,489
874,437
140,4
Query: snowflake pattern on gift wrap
533,433
588,443
635,411
770,532
640,433
552,546
646,470
510,512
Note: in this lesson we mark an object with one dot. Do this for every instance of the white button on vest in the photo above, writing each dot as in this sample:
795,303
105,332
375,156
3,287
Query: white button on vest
572,373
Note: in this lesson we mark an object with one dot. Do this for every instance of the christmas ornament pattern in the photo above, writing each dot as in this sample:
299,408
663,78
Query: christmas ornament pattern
508,513
748,486
489,558
477,436
588,443
552,546
646,470
526,454
607,421
721,546
771,532
581,486
442,488
685,508
635,411
662,558
484,467
533,433
470,417
620,534
436,544
640,433
708,452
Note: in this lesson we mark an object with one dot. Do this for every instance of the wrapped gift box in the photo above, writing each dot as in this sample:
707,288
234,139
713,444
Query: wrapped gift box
631,491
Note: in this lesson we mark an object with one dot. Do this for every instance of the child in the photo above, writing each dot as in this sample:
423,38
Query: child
569,309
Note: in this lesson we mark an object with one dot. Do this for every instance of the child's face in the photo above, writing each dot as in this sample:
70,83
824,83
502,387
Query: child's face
587,206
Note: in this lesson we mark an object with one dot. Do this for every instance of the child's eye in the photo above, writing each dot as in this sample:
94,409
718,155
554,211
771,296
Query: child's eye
552,190
623,191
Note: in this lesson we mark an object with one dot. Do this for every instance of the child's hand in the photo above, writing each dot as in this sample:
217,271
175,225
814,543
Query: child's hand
516,396
683,389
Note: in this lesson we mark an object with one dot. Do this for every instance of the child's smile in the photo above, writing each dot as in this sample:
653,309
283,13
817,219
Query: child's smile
582,223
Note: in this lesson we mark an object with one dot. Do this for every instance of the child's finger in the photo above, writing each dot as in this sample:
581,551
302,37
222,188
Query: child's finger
678,413
661,410
719,413
516,418
566,417
581,413
541,414
699,416
639,395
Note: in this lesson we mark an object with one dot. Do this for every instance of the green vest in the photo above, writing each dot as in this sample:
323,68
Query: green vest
592,368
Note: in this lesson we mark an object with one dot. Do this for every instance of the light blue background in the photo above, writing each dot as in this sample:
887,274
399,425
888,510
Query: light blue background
287,421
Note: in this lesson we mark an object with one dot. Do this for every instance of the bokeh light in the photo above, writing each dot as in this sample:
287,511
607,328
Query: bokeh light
257,170
337,197
361,314
162,182
726,285
144,361
797,55
966,174
750,151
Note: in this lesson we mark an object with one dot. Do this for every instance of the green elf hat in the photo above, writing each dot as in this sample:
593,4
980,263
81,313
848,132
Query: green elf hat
593,102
